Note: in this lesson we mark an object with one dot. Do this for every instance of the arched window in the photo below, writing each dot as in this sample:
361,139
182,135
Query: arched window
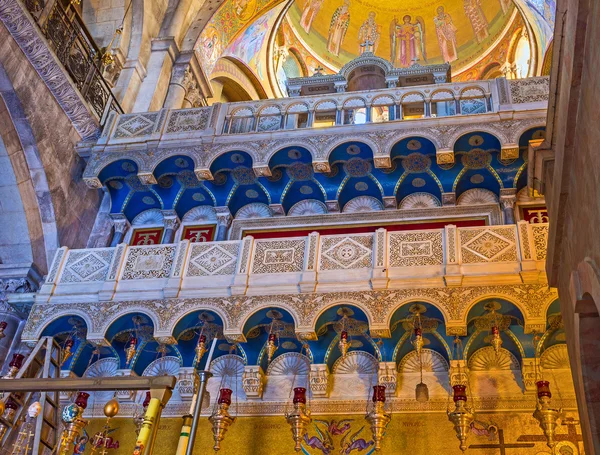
269,119
413,106
522,57
296,116
472,101
355,112
383,109
325,114
443,104
242,121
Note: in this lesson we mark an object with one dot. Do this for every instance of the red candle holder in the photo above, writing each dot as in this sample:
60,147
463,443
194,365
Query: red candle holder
82,399
202,339
543,389
133,341
379,393
418,332
225,396
3,325
69,343
344,335
460,392
17,361
495,330
299,395
146,400
272,337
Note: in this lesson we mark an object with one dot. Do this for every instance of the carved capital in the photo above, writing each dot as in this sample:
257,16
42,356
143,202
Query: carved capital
390,203
120,222
319,380
93,182
444,156
253,381
458,372
382,162
509,152
448,199
147,178
388,376
333,206
203,174
322,167
262,171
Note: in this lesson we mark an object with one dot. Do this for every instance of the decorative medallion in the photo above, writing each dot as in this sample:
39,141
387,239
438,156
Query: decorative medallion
237,158
476,159
244,175
475,140
188,179
357,167
361,186
135,183
117,185
182,163
418,182
416,163
198,197
219,178
305,189
353,150
252,194
275,176
148,200
129,167
300,171
165,181
476,179
413,144
294,154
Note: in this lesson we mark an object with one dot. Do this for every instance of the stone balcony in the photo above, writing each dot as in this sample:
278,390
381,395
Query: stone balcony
439,112
453,256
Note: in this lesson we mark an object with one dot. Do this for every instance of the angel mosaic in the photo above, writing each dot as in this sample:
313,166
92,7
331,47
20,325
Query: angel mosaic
338,28
408,41
446,35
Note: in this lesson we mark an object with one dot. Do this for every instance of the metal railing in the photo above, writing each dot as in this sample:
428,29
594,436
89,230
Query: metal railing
75,48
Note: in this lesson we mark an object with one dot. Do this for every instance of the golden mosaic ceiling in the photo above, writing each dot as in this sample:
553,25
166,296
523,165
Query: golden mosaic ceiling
427,31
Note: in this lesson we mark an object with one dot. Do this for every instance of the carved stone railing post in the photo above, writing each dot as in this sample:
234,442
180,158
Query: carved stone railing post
253,382
453,274
55,269
319,380
388,376
508,199
224,219
114,271
174,284
185,383
529,268
530,375
458,373
240,281
308,282
380,259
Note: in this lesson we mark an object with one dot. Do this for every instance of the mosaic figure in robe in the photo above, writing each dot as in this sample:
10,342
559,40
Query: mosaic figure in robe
338,28
476,16
446,35
408,41
309,13
369,31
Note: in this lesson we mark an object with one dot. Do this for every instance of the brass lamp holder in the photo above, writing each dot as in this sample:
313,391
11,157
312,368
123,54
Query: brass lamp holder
299,418
378,418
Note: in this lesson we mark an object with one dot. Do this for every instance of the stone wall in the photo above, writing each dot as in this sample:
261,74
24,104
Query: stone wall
41,141
574,197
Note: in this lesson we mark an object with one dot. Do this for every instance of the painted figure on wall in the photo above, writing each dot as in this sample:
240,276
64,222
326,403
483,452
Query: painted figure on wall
244,9
446,35
477,18
309,13
408,41
369,31
338,28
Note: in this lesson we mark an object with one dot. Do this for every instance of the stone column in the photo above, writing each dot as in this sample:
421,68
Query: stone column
121,225
508,203
171,222
223,222
177,89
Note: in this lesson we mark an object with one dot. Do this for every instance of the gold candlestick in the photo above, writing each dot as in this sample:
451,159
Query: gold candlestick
221,420
299,419
461,417
378,418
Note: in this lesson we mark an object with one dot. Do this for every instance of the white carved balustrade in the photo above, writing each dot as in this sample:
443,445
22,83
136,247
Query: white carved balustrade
298,113
452,256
